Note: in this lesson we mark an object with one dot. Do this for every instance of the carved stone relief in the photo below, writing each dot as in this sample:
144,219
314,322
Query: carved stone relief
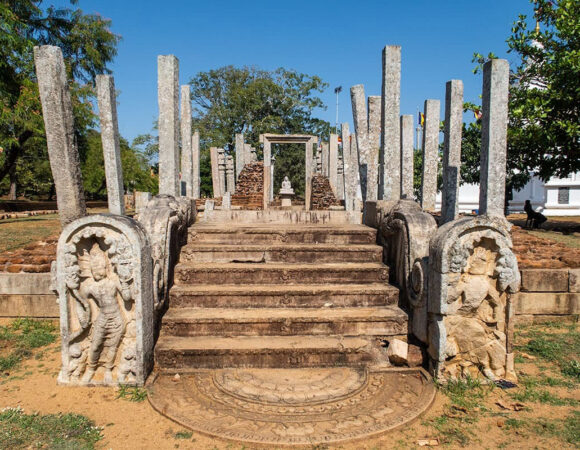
473,271
103,280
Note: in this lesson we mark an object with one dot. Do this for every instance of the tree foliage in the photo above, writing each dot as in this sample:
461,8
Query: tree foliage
88,46
248,100
544,102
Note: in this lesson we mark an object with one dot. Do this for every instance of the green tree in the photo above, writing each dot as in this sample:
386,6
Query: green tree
88,46
544,103
248,100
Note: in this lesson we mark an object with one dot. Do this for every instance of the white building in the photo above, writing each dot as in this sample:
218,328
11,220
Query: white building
557,197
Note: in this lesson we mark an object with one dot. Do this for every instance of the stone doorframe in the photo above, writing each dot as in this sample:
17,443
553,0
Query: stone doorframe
267,140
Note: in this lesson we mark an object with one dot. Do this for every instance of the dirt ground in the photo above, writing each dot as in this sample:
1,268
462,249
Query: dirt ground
476,416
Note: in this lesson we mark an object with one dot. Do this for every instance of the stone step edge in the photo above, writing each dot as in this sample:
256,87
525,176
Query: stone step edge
228,266
281,289
295,315
331,248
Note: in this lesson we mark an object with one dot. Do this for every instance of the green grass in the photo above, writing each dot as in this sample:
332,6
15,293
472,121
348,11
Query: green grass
17,233
560,346
569,240
183,435
22,336
54,431
131,393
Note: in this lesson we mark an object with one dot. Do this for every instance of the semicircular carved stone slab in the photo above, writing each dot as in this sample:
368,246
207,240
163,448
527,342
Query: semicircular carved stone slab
103,279
473,271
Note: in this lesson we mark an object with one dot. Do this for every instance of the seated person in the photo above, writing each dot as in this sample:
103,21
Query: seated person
535,219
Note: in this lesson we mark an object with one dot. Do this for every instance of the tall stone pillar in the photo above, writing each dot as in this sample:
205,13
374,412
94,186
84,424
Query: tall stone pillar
230,175
452,151
391,99
195,152
333,162
168,94
215,172
107,102
325,158
240,154
222,170
309,163
59,127
494,122
407,157
361,127
430,154
186,142
374,143
340,178
267,170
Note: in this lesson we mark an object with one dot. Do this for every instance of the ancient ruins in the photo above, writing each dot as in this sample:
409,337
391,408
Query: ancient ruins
257,318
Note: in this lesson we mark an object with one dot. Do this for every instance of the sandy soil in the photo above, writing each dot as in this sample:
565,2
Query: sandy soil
129,425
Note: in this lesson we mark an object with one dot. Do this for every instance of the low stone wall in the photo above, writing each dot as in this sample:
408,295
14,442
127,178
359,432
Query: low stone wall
547,295
27,295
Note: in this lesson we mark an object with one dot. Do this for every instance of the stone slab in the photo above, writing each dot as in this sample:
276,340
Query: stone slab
284,217
29,305
544,280
554,303
25,283
574,280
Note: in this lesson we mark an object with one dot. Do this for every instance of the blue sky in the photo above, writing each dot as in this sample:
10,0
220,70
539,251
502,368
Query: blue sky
340,41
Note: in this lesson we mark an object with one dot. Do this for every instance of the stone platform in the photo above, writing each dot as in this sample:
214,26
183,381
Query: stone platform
293,406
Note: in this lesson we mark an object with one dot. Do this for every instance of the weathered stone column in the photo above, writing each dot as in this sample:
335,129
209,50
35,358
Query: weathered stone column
309,163
430,154
391,100
222,170
215,172
267,173
240,153
452,151
325,159
407,157
168,95
494,122
374,143
340,178
110,140
361,127
195,154
59,127
273,163
333,162
186,144
230,174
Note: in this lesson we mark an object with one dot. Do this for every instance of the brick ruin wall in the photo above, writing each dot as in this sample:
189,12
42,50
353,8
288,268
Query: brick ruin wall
322,194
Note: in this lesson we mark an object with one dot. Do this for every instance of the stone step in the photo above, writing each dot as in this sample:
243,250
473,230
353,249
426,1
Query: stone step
276,273
378,321
287,296
281,234
183,354
242,217
302,253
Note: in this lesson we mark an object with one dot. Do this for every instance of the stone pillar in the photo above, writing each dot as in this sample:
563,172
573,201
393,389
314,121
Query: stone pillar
227,200
110,140
195,152
374,143
333,162
240,153
452,151
230,175
309,163
215,172
494,122
186,142
325,157
222,170
340,178
391,99
168,94
273,163
267,172
59,127
141,200
360,118
430,154
407,157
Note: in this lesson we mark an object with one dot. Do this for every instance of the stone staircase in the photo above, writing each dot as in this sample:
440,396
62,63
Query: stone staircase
278,295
